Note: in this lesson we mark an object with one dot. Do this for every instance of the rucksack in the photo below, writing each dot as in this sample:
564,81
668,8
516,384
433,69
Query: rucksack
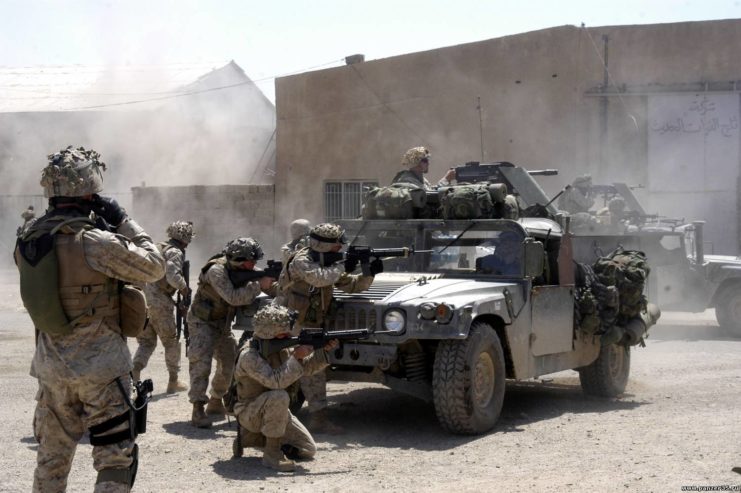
396,201
628,271
466,202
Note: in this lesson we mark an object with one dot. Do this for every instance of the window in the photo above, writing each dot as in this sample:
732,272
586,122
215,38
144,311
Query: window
344,199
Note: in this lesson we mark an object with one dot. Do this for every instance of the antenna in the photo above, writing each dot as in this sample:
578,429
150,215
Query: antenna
481,125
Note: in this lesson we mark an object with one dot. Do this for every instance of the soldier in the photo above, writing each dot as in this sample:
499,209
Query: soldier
306,285
262,409
299,231
210,318
159,299
70,271
28,216
577,198
417,162
507,257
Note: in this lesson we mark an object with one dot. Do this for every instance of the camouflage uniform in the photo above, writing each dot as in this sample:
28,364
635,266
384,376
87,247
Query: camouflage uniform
306,286
262,380
412,174
161,316
577,198
78,371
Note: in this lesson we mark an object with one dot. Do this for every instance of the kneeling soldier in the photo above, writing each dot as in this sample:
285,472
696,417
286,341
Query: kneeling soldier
263,385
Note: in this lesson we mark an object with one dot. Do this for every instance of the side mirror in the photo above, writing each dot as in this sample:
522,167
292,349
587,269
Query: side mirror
534,258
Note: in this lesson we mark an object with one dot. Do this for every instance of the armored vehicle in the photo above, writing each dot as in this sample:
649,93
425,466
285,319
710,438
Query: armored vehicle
452,324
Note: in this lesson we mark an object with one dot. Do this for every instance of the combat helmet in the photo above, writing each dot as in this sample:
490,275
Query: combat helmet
324,237
181,231
414,156
299,228
271,320
73,173
242,249
584,181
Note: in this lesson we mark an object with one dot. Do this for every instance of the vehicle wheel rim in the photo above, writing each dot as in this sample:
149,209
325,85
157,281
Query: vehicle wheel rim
616,360
483,380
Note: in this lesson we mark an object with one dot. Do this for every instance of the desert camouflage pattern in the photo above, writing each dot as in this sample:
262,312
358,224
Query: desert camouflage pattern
28,214
414,156
161,324
245,248
181,231
174,258
272,320
332,233
214,339
77,372
73,173
262,405
293,246
410,177
314,388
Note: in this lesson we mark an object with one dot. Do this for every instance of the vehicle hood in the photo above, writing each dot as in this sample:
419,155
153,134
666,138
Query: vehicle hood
730,261
420,287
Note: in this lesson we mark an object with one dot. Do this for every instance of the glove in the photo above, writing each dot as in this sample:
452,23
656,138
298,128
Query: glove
376,266
351,264
109,209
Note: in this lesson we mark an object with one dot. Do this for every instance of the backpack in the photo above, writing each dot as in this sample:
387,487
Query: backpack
628,271
396,201
467,202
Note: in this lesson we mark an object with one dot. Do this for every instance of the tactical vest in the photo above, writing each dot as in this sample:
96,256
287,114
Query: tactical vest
58,287
313,304
162,284
207,304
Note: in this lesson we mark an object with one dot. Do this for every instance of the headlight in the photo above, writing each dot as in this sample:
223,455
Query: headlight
427,311
394,320
443,313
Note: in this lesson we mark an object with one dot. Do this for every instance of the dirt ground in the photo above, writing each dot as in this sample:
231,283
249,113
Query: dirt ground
677,425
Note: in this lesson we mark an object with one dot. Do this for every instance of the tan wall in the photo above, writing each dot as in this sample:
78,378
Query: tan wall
219,214
354,122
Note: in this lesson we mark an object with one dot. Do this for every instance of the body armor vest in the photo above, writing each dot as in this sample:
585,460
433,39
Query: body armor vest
313,304
207,304
162,284
58,287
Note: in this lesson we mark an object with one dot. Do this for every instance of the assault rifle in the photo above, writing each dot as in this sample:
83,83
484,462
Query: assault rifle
357,254
182,304
241,277
316,338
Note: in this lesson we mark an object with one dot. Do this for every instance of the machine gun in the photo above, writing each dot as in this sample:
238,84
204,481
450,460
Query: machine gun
475,172
182,304
241,277
357,254
316,338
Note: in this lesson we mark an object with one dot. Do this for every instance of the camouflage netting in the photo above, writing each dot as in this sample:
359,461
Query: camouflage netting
73,173
242,249
414,156
324,237
181,231
272,320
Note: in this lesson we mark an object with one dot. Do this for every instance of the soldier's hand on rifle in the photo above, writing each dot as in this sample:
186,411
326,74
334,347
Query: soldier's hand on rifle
331,345
302,352
350,265
185,293
376,266
266,283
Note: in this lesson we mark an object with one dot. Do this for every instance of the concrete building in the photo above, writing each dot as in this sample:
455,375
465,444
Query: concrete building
651,105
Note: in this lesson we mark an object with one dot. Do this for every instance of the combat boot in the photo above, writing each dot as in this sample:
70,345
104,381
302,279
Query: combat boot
136,373
199,418
215,406
273,457
175,385
319,423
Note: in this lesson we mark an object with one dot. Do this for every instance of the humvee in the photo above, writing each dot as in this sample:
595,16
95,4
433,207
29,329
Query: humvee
449,331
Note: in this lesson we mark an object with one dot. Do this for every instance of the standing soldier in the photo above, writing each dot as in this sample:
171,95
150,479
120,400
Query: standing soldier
306,285
28,216
220,290
71,270
263,416
299,231
416,164
159,299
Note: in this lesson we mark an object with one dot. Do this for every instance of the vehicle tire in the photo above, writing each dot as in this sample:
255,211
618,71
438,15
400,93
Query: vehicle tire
468,381
728,311
607,376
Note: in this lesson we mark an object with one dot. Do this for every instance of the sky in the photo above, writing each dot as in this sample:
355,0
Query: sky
272,38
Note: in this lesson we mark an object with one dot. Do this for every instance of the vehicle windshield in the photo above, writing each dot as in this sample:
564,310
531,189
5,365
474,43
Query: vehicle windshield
462,249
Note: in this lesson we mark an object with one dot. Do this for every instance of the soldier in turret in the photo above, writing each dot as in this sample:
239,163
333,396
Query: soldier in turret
416,162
